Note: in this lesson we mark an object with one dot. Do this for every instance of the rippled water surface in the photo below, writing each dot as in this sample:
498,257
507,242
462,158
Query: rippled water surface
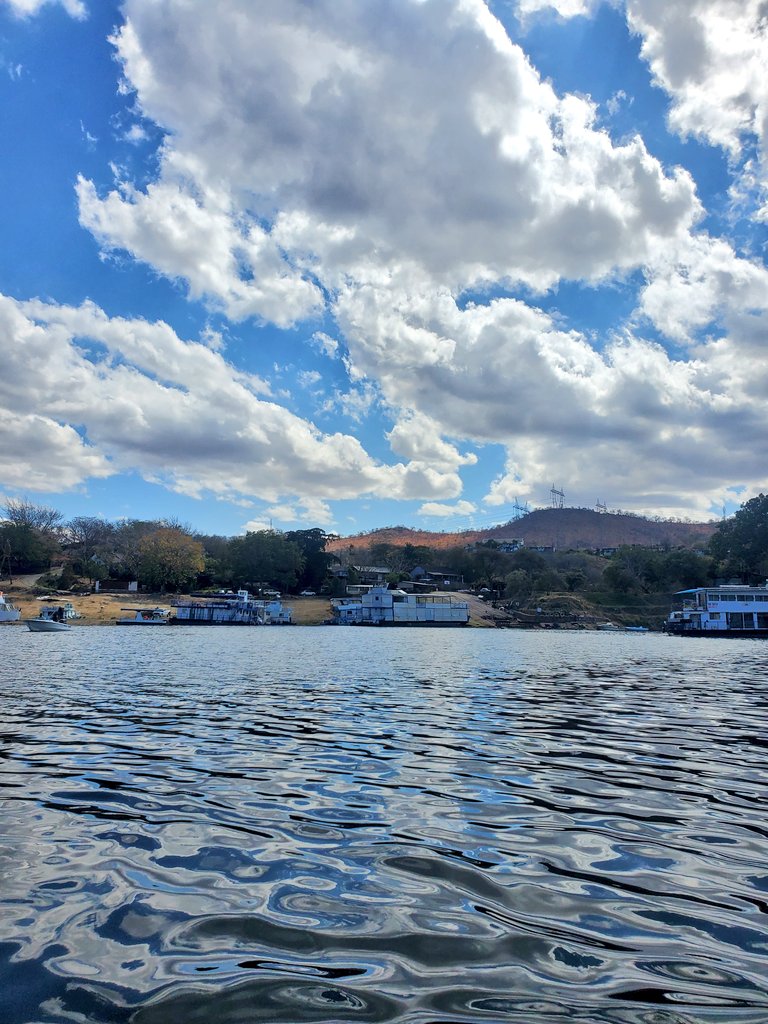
213,826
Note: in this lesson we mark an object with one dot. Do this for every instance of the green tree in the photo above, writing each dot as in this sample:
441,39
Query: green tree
26,548
265,556
740,544
169,559
316,560
574,578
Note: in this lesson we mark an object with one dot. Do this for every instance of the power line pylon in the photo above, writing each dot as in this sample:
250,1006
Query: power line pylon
557,496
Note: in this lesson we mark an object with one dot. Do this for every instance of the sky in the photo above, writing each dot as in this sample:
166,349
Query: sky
354,264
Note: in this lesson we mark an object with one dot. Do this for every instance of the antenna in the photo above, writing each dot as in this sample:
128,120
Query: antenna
558,497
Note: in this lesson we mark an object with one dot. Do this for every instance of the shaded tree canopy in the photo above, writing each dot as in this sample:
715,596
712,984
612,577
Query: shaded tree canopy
741,543
316,560
169,559
265,556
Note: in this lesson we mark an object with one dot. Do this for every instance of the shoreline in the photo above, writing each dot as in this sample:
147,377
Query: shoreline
100,609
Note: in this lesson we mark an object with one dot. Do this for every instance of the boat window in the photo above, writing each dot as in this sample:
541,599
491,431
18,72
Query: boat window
762,620
714,615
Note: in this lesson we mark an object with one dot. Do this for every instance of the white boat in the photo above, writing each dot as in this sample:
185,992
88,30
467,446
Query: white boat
50,620
8,611
240,609
65,608
383,607
730,611
145,617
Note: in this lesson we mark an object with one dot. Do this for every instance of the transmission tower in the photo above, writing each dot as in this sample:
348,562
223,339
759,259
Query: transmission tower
558,497
520,510
600,506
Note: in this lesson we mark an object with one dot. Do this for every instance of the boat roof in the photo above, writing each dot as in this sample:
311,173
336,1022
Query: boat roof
724,586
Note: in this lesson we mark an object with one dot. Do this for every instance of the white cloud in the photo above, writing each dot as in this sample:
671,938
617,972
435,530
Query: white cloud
440,510
315,164
711,57
174,411
195,235
308,378
26,8
325,344
435,143
564,8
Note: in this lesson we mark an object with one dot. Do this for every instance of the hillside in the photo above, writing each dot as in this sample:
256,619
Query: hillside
562,528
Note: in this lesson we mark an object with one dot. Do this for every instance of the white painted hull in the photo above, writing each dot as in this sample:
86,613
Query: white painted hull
9,616
46,626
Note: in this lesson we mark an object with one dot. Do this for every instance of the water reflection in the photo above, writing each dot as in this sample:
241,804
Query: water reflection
326,824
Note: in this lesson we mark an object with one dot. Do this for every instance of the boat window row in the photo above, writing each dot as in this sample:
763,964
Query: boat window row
737,597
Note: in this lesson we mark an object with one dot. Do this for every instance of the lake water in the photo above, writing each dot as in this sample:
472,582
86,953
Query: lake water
220,826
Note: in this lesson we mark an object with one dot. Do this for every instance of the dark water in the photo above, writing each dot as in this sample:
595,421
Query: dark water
318,824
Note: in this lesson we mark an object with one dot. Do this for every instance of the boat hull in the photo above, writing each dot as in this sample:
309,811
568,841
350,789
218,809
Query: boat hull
10,616
721,634
46,626
146,622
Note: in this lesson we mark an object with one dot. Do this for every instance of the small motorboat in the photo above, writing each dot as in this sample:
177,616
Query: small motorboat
50,620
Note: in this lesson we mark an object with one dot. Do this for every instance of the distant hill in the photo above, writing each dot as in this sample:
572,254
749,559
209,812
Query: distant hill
562,528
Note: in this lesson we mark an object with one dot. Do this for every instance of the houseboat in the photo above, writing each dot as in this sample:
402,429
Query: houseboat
240,609
382,607
8,610
734,611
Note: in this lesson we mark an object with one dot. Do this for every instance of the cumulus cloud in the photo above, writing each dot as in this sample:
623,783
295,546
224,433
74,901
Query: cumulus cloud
315,164
442,511
564,8
710,56
26,8
305,143
172,410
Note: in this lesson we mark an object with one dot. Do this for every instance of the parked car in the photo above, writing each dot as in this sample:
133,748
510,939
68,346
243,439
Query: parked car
308,593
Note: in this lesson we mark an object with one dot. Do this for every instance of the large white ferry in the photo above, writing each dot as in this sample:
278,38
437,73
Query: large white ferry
736,611
240,609
382,607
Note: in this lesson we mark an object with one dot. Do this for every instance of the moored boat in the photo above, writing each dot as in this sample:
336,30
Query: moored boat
8,610
383,607
240,609
145,617
728,611
50,620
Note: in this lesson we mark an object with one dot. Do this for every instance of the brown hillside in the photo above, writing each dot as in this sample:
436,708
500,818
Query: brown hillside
562,528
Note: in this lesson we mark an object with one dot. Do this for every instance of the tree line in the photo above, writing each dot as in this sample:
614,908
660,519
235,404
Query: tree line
161,555
167,555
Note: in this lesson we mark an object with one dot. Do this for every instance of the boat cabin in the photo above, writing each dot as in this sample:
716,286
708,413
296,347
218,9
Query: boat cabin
721,611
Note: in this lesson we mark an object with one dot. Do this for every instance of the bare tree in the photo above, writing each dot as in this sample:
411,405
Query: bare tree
23,512
89,533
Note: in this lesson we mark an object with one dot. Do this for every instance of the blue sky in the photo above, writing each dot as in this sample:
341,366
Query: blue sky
407,262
